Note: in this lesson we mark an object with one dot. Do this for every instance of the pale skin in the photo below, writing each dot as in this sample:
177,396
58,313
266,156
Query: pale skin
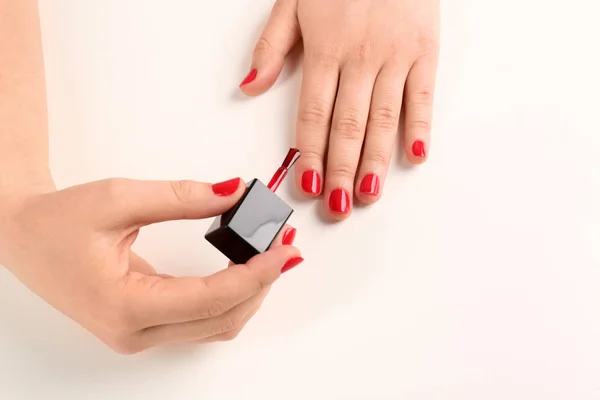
364,60
72,247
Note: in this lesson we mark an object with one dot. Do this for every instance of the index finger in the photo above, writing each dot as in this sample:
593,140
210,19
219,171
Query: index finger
157,301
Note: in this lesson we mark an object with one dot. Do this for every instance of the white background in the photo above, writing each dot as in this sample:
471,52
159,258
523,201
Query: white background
476,277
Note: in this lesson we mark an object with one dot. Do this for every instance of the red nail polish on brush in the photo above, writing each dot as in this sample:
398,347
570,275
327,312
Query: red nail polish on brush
291,158
250,77
252,224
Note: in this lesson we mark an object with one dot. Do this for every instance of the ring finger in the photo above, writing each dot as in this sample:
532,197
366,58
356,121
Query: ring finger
192,331
219,328
382,130
257,300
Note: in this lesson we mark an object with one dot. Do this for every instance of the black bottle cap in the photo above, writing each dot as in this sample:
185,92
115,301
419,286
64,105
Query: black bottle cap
251,226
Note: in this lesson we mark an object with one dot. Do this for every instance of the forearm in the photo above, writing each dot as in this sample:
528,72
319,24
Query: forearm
24,159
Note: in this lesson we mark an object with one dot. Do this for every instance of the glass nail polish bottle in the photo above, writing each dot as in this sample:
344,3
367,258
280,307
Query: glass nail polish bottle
250,227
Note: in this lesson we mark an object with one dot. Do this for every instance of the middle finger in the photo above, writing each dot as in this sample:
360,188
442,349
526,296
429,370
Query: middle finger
346,138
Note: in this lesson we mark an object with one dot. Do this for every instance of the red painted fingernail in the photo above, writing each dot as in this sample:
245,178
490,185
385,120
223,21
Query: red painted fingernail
250,77
418,149
226,188
293,262
289,236
370,185
339,201
311,182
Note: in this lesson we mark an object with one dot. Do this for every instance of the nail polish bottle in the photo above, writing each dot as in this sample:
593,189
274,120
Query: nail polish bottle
250,227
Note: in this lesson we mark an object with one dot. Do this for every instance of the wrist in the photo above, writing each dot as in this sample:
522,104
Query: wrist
15,197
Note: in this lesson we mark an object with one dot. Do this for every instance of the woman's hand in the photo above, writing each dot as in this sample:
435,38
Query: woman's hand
364,61
73,248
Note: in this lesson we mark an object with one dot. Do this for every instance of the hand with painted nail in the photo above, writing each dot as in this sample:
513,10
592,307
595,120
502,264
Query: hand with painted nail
73,249
365,61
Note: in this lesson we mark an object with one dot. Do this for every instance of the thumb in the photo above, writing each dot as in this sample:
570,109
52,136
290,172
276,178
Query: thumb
277,40
137,202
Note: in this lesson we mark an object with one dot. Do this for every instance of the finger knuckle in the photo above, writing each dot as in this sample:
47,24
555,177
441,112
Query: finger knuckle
422,96
326,57
250,276
348,125
312,151
263,45
184,191
378,156
115,188
215,308
259,286
384,117
419,125
225,325
315,112
427,40
343,171
364,53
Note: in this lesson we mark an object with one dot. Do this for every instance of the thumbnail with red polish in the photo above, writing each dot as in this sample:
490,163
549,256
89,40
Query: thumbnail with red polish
311,182
226,188
293,262
339,201
370,185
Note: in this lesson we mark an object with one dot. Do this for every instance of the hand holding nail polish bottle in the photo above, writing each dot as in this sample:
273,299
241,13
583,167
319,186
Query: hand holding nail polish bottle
251,226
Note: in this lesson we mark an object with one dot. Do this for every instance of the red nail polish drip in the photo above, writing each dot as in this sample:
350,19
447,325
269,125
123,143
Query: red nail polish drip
291,158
